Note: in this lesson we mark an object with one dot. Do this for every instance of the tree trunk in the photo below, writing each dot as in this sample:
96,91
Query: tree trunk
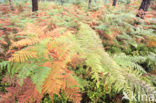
34,5
114,2
89,4
11,7
60,2
143,8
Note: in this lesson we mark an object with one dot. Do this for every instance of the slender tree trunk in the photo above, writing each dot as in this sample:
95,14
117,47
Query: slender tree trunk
114,2
60,2
143,8
89,4
145,5
34,5
10,3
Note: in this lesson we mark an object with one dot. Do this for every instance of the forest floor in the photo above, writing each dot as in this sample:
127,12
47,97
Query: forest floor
72,40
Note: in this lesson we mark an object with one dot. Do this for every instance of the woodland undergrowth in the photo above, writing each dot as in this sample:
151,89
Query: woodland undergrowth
67,53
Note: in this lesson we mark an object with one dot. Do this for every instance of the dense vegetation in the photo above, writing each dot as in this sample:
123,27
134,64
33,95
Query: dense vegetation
71,52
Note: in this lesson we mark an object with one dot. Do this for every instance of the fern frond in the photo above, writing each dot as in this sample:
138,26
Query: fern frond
60,79
25,71
23,55
117,75
25,42
53,83
138,83
3,65
39,76
25,93
130,62
71,87
61,50
32,30
94,51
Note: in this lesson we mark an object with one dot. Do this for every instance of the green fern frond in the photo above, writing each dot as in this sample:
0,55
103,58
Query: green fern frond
26,70
39,75
129,62
93,48
3,64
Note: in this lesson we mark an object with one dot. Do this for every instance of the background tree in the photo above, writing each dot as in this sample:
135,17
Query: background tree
143,8
61,2
114,2
10,3
34,5
89,4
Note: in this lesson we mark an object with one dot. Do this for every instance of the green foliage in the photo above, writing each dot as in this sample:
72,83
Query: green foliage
57,99
94,55
96,4
129,38
112,73
39,76
150,62
77,2
24,70
130,62
61,99
46,99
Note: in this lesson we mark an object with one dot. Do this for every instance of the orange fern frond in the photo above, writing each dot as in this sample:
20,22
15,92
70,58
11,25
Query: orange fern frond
23,55
25,42
32,30
60,79
53,83
151,44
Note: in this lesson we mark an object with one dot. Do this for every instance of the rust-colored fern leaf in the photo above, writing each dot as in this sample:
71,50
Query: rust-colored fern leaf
24,94
151,42
8,97
71,87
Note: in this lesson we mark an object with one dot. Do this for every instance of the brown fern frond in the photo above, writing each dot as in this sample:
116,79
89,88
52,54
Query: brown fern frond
9,80
73,94
76,60
71,87
30,95
26,93
8,97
